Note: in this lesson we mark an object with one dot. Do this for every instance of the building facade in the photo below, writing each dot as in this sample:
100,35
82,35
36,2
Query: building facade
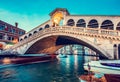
9,34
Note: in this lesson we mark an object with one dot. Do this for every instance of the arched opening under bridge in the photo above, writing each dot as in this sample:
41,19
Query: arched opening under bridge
51,44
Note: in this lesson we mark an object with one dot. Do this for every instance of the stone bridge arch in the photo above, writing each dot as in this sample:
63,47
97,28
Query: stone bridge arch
51,42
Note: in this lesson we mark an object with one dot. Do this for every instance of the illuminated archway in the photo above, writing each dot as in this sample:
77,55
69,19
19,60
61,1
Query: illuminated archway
57,18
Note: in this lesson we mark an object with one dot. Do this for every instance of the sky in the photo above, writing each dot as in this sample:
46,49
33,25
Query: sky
31,13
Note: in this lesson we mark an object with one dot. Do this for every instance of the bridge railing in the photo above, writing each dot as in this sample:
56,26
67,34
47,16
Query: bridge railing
69,29
96,31
91,30
110,32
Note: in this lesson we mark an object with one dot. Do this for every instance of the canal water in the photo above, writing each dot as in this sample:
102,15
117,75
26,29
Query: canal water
63,70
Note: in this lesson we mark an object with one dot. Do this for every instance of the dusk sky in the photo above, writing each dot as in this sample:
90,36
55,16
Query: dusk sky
31,13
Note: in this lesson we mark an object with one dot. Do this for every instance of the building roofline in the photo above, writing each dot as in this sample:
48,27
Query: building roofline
59,9
98,15
12,25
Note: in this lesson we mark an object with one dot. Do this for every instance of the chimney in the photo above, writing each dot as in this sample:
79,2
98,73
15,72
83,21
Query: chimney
16,24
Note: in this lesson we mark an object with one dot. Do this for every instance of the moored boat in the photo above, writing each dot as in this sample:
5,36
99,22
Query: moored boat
111,63
27,59
102,67
110,68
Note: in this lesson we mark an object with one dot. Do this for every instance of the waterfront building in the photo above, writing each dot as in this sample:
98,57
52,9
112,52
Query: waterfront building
9,34
76,49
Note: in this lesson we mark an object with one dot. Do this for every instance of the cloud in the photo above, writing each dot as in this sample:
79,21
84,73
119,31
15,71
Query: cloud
26,22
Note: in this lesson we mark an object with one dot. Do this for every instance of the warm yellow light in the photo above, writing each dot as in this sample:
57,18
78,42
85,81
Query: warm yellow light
57,17
75,52
56,21
6,61
15,40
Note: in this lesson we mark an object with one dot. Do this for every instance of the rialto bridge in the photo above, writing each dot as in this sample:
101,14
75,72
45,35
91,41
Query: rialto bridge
99,33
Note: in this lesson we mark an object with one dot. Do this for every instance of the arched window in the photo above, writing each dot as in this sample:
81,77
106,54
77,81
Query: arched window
30,34
40,29
1,36
21,39
2,26
47,26
34,32
81,23
93,23
118,26
25,37
70,22
107,24
13,38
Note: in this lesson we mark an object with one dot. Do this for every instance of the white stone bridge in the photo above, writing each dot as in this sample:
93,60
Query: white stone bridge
99,33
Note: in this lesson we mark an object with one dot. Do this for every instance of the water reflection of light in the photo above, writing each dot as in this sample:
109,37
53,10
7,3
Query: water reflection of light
91,58
76,61
75,52
67,62
6,61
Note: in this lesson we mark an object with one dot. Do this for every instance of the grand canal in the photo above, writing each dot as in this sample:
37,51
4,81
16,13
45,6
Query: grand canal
63,70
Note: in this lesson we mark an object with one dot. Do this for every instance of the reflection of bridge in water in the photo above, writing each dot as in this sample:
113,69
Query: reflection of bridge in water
99,33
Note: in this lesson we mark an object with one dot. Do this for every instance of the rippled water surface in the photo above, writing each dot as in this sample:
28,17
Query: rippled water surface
63,70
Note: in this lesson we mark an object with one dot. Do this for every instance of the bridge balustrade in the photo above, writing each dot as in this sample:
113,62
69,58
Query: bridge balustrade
68,29
79,29
91,30
109,32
